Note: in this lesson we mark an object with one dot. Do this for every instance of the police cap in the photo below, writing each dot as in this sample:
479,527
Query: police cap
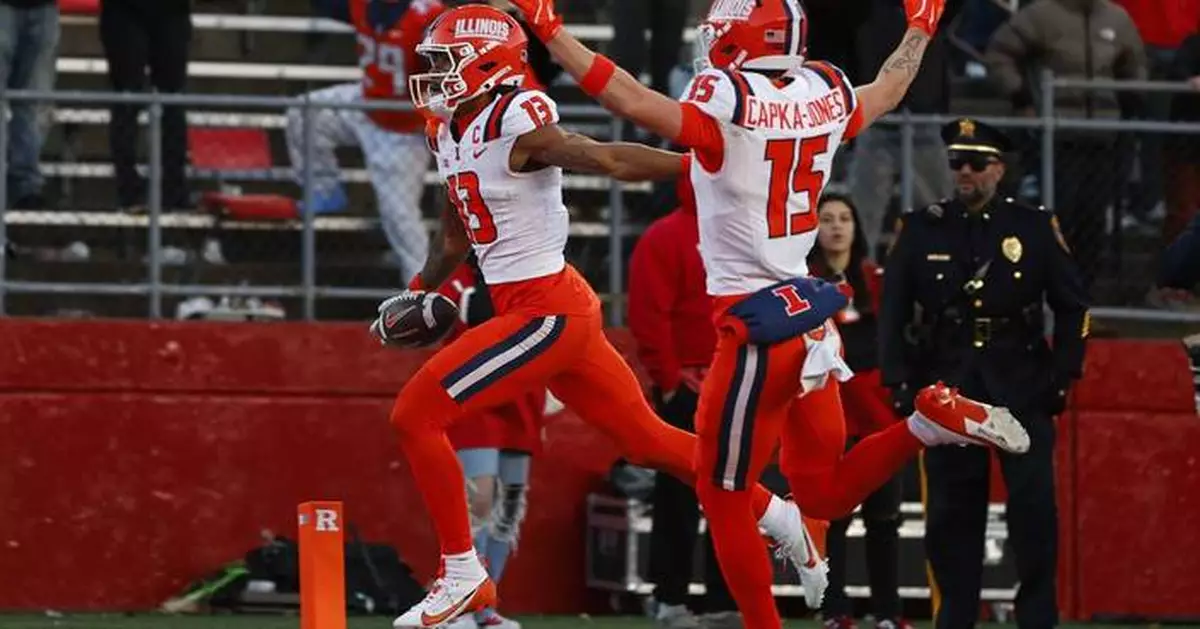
973,136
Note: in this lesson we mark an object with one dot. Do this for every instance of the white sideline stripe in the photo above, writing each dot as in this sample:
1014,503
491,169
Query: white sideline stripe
294,24
94,170
65,219
855,591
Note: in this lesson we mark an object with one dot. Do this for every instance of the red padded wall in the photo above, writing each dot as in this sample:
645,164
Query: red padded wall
136,457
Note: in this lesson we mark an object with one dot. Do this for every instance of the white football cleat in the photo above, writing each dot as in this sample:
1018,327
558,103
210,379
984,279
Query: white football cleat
448,599
794,542
965,421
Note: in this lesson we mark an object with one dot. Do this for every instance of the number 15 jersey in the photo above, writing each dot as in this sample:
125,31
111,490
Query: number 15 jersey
764,151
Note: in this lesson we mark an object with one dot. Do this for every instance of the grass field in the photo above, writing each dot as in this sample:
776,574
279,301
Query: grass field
283,622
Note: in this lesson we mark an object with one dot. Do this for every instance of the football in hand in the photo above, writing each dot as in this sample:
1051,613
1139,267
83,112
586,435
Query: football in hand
416,319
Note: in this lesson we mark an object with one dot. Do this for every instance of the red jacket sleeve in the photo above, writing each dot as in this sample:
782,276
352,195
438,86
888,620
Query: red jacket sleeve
653,285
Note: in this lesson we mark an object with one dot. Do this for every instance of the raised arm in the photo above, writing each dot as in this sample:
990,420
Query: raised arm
613,87
551,146
897,73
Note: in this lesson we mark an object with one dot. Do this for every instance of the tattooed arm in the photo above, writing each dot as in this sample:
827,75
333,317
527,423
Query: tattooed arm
447,249
551,146
891,84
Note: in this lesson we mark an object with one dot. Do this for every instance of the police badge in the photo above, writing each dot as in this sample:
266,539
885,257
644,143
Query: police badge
1012,249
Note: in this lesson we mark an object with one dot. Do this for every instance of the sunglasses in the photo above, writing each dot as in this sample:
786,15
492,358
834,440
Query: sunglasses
978,162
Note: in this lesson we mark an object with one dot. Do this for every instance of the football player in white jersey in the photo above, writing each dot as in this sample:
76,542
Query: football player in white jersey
501,152
763,123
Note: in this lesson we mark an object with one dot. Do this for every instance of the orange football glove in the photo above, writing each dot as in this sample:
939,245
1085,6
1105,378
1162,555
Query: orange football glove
924,14
541,17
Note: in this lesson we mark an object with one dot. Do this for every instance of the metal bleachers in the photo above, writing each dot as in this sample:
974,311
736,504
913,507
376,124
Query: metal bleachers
278,54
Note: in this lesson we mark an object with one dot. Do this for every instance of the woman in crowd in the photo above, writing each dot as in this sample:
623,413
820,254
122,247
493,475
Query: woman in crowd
841,256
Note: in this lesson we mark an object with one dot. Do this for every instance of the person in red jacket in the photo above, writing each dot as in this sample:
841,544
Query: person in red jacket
670,317
841,256
495,448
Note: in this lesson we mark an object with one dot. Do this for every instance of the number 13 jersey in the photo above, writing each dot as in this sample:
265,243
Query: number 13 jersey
516,221
764,151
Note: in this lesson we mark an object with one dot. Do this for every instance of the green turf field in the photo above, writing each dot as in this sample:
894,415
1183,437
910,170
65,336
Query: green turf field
283,622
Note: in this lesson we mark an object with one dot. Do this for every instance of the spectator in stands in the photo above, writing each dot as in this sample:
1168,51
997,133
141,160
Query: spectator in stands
841,256
669,315
392,140
1163,27
1183,150
154,36
876,166
1092,39
29,48
665,19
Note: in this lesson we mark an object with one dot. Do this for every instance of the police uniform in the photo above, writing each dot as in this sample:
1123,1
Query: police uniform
963,303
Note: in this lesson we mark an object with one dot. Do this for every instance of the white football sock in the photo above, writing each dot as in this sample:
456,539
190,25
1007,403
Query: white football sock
929,432
464,566
775,516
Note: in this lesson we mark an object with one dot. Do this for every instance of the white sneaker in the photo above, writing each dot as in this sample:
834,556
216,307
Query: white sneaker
492,620
449,598
784,524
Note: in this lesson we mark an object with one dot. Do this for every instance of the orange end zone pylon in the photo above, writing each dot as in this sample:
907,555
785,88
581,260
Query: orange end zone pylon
322,566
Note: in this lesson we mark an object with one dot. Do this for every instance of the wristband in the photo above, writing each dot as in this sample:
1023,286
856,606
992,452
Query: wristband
598,76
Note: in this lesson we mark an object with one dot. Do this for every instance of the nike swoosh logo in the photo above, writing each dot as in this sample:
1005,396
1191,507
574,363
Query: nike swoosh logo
393,317
479,153
442,618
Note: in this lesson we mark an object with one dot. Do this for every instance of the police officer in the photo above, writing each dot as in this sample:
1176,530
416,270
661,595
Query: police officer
964,287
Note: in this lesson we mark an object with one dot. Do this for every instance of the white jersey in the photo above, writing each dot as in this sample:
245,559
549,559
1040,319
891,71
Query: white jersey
517,222
758,205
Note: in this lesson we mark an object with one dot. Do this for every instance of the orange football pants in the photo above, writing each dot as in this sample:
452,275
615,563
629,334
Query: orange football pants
520,350
748,405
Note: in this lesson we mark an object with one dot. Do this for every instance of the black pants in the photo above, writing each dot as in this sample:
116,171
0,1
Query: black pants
956,514
139,36
676,521
1087,179
881,516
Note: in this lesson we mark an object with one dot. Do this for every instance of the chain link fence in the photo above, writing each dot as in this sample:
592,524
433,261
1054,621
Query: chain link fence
308,207
255,208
